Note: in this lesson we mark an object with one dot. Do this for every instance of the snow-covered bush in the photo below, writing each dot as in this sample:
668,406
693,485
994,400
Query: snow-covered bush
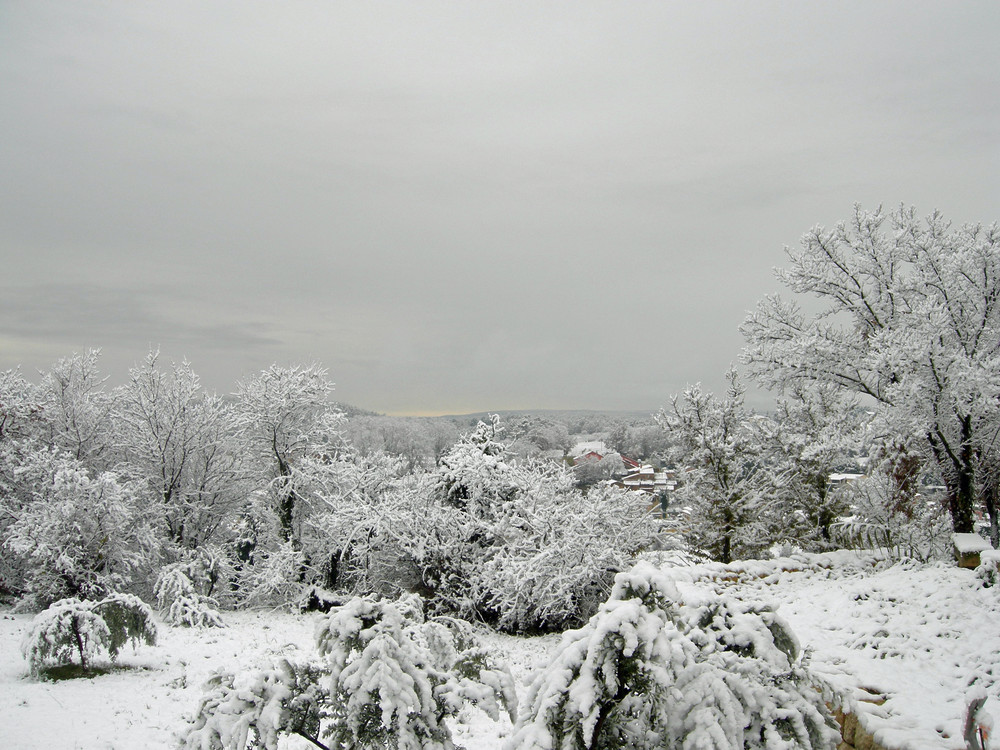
647,671
515,543
395,677
561,553
919,529
257,707
73,629
387,678
182,591
274,578
988,572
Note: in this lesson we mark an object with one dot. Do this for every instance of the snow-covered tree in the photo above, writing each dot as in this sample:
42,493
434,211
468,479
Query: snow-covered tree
293,441
420,442
76,410
20,420
649,671
354,538
72,629
288,416
185,445
639,440
80,535
912,321
475,475
721,449
21,407
592,471
816,430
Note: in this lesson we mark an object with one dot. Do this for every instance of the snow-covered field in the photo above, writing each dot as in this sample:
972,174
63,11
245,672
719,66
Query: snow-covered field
916,634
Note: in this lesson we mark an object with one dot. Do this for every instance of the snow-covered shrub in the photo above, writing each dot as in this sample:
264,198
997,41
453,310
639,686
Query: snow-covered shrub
179,595
395,677
647,671
561,553
387,678
515,543
919,528
73,629
988,571
274,577
257,707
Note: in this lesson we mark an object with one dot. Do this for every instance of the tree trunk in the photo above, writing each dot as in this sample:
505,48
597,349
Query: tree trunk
602,717
963,518
959,470
991,498
287,501
79,643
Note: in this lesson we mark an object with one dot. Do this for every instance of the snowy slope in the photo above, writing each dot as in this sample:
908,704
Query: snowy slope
917,635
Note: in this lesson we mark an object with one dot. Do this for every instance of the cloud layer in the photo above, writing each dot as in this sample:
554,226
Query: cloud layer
461,206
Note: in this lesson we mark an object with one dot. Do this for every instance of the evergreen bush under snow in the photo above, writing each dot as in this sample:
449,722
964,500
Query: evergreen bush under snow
182,591
648,672
386,678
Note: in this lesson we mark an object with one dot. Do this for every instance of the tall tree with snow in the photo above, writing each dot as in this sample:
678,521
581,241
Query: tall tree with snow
292,433
912,321
288,416
184,444
76,410
816,429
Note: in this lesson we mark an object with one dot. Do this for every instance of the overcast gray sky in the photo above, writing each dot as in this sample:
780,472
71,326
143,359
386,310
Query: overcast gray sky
461,206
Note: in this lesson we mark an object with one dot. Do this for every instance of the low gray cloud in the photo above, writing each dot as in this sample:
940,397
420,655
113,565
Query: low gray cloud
461,207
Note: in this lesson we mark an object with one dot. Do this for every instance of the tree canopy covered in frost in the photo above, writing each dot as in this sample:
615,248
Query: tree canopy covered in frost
79,534
912,322
732,491
185,444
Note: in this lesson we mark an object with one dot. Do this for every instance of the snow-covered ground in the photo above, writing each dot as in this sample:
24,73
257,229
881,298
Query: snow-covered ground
916,634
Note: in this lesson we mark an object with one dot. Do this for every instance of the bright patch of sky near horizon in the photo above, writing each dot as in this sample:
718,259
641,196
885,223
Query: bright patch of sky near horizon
460,207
